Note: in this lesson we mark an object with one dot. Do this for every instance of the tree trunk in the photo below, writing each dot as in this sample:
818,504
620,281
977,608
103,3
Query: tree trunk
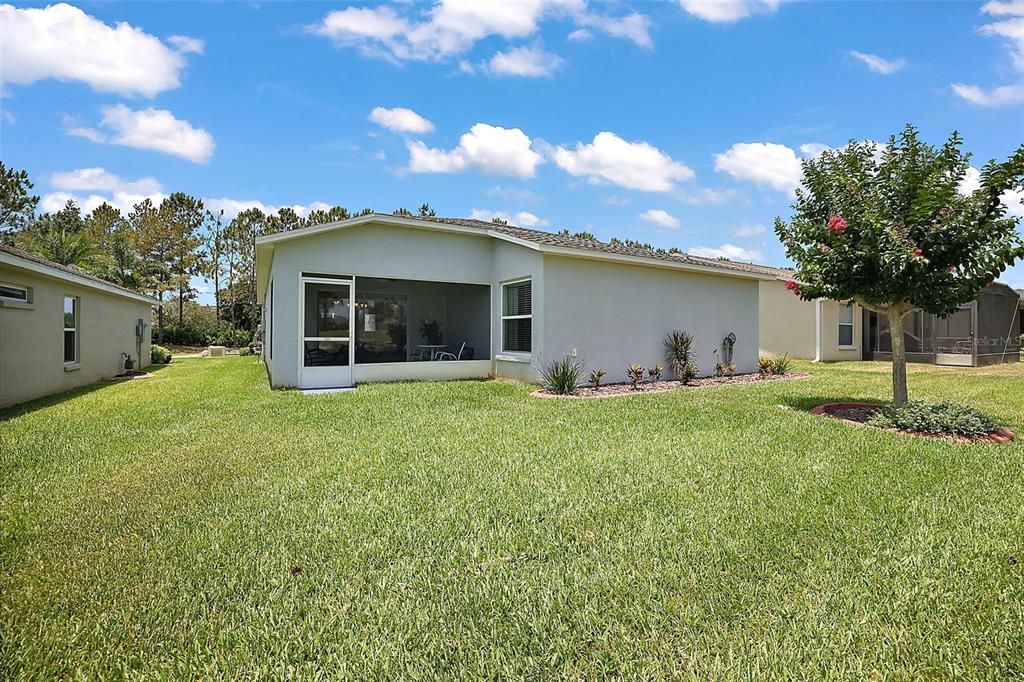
899,355
181,307
160,321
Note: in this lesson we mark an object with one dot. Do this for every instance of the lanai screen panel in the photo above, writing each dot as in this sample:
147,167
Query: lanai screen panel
997,339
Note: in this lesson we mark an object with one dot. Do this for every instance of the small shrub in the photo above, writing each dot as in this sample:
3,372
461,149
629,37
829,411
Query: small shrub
678,352
561,376
596,375
764,366
781,365
943,418
688,373
635,374
654,373
159,355
723,369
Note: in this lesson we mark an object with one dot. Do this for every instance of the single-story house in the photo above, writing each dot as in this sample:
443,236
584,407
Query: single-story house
61,328
983,332
389,297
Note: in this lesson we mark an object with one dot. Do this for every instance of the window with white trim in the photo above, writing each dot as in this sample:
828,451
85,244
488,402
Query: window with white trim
517,316
846,325
12,292
70,330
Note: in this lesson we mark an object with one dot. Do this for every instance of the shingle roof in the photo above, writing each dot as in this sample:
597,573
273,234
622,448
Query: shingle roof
69,269
570,242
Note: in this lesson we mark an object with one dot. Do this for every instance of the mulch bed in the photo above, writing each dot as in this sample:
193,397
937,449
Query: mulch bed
665,385
128,375
860,413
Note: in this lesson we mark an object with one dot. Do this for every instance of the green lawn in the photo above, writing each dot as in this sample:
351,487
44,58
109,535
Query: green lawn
465,529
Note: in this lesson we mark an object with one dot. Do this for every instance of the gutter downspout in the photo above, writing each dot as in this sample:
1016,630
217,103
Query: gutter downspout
817,330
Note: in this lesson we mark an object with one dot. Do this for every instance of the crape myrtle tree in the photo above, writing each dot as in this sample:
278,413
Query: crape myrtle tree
892,231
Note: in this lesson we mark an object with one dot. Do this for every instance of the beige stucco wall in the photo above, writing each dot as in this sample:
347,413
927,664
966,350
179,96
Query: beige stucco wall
786,324
791,326
32,337
830,349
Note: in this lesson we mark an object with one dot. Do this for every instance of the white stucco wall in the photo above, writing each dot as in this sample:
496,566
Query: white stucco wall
612,313
32,337
372,250
616,314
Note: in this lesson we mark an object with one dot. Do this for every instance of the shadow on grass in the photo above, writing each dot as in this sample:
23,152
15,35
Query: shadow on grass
20,409
806,402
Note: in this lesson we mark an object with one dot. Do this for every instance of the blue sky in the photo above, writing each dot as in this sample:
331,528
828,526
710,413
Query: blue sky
677,123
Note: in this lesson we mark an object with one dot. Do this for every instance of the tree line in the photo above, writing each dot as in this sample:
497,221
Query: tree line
158,248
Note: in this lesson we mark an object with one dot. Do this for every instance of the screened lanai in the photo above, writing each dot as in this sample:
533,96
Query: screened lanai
983,332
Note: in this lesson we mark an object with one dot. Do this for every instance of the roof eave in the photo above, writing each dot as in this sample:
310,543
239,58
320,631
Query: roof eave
16,261
652,262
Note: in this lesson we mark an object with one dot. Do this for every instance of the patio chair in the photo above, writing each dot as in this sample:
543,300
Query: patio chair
453,356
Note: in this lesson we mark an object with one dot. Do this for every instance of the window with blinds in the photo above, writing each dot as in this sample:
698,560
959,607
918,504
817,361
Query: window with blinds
517,317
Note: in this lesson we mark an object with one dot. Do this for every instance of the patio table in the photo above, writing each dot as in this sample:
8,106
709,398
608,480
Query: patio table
432,348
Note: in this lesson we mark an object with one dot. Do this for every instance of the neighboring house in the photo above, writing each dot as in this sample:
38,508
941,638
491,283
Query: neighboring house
983,332
344,303
61,328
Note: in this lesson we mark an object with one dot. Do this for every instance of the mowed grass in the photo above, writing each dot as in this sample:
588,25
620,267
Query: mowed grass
466,530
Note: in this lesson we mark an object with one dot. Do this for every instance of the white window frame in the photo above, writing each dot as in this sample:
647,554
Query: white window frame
78,325
24,301
851,324
516,353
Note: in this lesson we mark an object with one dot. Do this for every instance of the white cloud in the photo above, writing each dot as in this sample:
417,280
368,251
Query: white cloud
8,116
579,35
1012,30
522,218
401,120
727,11
730,251
518,194
123,201
881,65
101,180
746,231
233,207
661,218
525,62
764,163
1012,199
633,165
996,97
703,196
492,150
813,150
64,43
452,27
155,129
633,27
187,45
615,200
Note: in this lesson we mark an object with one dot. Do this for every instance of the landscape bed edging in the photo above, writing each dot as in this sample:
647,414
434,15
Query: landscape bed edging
623,390
1000,435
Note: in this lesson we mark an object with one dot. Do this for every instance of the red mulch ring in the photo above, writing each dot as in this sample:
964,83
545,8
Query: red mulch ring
621,390
860,413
